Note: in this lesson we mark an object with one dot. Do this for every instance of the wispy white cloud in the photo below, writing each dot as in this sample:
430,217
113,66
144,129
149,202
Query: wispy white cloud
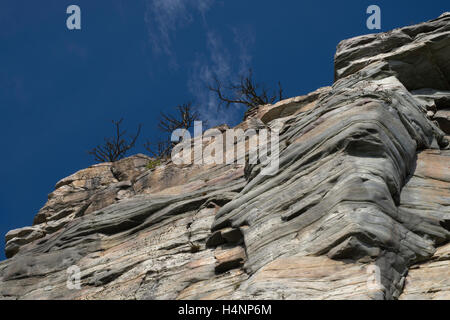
222,61
164,17
225,67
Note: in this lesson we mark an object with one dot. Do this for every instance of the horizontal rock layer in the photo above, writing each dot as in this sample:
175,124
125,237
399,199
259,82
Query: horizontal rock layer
359,208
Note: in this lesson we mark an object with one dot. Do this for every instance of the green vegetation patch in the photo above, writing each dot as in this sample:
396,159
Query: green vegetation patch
152,164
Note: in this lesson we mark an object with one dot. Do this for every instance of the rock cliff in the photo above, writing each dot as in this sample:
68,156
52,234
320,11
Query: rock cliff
359,209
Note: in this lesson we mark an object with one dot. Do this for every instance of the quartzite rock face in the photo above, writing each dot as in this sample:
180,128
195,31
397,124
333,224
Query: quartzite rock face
359,209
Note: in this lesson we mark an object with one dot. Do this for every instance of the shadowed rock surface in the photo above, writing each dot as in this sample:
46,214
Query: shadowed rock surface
359,209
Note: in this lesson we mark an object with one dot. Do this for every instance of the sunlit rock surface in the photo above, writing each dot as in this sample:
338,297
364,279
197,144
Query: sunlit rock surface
359,208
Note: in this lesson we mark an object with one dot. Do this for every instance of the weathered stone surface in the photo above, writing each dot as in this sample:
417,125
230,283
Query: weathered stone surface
430,280
307,277
418,54
426,197
82,193
359,208
290,106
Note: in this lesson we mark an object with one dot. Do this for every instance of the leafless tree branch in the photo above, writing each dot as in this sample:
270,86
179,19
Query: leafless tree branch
116,147
168,123
245,92
160,150
184,120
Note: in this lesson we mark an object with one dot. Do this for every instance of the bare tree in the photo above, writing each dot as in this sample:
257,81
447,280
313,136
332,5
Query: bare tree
116,147
168,123
160,150
184,120
245,92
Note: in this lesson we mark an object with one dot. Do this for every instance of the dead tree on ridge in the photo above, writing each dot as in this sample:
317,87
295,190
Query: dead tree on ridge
168,123
116,147
245,92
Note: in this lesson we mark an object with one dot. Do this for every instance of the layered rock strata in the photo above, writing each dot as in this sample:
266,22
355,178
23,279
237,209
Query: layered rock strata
359,208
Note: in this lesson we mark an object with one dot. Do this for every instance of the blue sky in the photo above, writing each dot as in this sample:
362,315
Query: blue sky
60,89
